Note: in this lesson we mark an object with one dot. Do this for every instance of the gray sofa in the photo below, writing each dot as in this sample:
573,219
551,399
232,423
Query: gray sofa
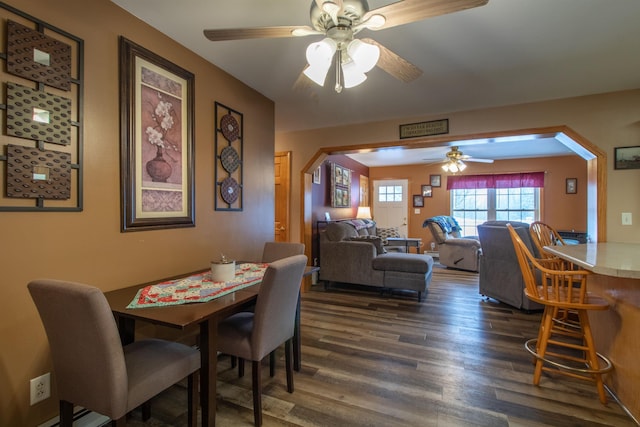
500,276
352,253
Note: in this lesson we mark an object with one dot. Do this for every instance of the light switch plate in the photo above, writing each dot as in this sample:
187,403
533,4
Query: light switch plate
626,218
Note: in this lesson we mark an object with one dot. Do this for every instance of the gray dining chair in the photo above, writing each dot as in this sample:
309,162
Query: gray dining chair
273,251
254,335
91,367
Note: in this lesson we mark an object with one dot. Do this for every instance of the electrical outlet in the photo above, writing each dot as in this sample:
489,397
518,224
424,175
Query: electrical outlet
40,388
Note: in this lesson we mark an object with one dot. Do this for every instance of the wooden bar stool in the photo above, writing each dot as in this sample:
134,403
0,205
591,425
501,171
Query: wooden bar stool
561,348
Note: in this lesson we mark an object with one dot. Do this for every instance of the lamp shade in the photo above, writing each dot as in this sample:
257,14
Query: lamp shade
320,53
364,212
353,76
317,73
364,55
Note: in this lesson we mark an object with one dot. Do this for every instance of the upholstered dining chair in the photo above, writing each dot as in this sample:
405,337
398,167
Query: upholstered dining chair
561,349
273,251
254,335
92,368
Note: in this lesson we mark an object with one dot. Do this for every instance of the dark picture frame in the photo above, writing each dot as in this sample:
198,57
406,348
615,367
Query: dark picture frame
317,175
427,191
626,157
340,186
418,201
156,141
572,186
434,180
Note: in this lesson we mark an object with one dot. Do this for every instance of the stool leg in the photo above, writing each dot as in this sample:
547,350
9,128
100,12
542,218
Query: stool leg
592,357
543,339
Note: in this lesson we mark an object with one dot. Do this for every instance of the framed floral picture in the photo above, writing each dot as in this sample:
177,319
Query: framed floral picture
156,115
427,191
418,201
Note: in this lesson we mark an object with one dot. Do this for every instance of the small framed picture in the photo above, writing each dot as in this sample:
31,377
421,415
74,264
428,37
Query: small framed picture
418,201
627,158
316,176
426,191
572,185
434,180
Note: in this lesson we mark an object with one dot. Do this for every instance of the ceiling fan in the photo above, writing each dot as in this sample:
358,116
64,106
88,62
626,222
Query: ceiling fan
339,21
455,159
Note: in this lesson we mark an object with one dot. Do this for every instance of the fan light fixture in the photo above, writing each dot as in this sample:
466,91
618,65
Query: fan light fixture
454,165
353,60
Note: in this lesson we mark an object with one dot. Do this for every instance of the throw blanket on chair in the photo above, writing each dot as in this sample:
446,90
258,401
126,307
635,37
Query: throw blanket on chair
448,224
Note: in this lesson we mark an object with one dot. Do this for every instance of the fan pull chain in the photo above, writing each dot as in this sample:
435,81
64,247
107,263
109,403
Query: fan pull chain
338,65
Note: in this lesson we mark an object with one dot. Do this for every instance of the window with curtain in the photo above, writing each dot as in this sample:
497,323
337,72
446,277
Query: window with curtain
499,197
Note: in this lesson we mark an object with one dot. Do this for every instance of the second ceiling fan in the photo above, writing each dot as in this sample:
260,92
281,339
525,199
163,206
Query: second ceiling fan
339,21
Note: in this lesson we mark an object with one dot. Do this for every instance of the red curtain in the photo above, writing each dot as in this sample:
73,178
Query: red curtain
505,180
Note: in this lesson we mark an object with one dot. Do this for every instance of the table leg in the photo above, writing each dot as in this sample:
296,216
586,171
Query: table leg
126,329
297,345
208,371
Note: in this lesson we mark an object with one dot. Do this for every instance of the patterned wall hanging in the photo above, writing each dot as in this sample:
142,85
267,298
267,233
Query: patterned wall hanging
229,141
32,173
38,115
43,80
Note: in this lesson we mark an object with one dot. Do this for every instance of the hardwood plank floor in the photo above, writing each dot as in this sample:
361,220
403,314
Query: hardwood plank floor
455,359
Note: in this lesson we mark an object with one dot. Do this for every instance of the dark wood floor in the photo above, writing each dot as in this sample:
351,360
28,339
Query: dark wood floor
455,359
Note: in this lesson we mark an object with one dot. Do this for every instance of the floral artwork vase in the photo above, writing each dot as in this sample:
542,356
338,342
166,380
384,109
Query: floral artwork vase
158,168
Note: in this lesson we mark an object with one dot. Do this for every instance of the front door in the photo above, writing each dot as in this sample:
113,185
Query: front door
282,171
390,204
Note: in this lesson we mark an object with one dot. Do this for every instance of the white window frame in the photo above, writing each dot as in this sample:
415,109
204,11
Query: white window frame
468,222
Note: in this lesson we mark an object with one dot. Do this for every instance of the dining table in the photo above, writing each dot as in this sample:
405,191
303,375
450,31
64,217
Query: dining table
203,315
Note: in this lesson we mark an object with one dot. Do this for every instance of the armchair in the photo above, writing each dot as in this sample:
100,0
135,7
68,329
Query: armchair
455,251
500,276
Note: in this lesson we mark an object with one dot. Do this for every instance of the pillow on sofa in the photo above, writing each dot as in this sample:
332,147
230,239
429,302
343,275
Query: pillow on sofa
374,240
385,232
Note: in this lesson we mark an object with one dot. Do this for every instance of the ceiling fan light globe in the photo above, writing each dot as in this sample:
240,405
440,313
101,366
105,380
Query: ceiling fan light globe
364,55
317,73
321,53
352,74
461,165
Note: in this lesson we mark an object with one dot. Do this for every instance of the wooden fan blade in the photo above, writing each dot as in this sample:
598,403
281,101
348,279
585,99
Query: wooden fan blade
255,33
407,11
473,159
393,64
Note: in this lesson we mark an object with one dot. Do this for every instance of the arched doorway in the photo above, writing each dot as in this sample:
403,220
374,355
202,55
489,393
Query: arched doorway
595,161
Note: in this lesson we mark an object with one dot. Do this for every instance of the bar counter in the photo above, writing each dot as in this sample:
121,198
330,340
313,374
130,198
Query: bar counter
616,332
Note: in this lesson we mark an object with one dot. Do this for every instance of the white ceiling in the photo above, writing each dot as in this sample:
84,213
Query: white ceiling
506,52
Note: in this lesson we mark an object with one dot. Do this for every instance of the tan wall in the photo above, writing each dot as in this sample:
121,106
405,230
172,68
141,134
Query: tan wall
88,246
561,210
607,121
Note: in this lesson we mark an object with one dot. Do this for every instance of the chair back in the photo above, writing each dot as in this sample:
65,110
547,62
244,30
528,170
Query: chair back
544,235
546,281
275,310
274,251
88,357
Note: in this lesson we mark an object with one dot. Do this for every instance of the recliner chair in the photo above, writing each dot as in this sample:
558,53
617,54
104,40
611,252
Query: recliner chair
454,250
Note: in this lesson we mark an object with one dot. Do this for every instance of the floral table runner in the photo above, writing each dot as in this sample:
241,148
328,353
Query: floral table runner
197,288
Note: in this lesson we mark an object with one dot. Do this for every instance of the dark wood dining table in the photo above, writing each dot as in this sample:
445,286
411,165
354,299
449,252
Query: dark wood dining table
204,315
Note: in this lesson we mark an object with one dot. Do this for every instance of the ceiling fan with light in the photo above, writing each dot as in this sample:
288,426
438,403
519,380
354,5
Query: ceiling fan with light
455,160
339,21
